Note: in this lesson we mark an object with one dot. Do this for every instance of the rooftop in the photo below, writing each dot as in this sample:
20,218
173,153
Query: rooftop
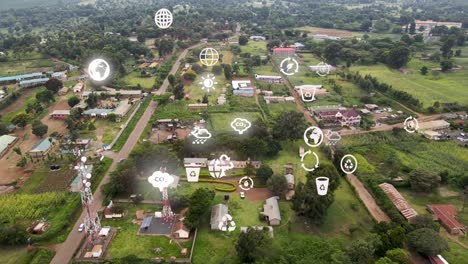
43,145
5,141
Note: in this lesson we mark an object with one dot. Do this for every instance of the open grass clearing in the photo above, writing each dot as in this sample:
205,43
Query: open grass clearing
221,122
255,47
134,78
443,87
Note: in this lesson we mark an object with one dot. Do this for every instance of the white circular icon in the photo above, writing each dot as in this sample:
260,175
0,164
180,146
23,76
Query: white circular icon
289,66
246,183
227,224
240,125
163,18
99,70
323,69
313,136
209,56
208,83
317,161
348,164
411,124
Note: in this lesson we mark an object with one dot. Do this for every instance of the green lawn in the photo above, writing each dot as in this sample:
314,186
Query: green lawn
29,62
221,122
196,92
128,242
134,78
20,255
442,87
45,180
255,48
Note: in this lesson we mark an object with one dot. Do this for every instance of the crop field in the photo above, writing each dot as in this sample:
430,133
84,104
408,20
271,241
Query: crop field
443,87
45,180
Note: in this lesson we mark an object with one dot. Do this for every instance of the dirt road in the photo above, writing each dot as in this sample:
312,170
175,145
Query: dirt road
367,199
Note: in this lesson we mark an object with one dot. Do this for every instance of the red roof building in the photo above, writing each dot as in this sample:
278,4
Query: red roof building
399,201
284,52
445,214
347,117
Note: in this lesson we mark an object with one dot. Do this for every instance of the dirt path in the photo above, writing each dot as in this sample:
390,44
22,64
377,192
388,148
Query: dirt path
367,199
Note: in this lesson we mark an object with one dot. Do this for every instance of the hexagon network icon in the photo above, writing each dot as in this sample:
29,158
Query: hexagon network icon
161,180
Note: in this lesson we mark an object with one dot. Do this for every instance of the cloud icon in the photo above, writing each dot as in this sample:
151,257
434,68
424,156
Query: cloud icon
200,133
160,180
240,125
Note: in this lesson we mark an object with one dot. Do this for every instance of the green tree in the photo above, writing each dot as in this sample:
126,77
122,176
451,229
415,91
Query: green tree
190,75
164,46
289,126
398,56
91,126
253,245
307,202
74,100
17,150
205,99
412,28
264,173
199,206
427,241
362,251
423,181
243,40
385,260
178,91
171,78
3,129
277,185
112,117
446,65
424,70
249,169
217,69
39,129
399,256
458,53
53,85
45,96
21,120
424,221
92,100
227,71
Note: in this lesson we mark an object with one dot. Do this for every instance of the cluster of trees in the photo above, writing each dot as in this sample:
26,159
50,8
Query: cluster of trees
145,159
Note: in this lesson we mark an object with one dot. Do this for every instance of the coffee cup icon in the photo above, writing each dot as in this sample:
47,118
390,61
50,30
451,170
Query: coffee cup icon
308,95
322,185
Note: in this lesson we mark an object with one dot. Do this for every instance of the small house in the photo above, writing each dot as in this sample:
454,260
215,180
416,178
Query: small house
271,211
113,212
60,114
6,142
180,230
269,78
78,88
446,215
284,52
197,107
41,149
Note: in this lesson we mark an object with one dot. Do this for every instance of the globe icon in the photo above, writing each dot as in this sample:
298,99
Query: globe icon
99,70
209,56
163,18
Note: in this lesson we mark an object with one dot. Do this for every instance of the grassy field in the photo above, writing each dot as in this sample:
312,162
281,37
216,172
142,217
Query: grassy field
29,62
20,255
442,87
255,47
134,78
45,180
128,242
196,93
221,122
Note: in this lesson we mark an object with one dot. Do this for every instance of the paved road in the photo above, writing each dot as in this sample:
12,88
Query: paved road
66,250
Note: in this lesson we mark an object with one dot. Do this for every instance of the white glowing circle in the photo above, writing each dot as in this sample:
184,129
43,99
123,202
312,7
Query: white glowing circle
88,184
349,164
209,56
163,18
99,70
208,82
83,159
161,180
88,176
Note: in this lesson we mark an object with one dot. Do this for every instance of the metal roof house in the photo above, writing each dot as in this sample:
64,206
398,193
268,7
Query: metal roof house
41,148
16,78
217,213
6,142
33,82
271,211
